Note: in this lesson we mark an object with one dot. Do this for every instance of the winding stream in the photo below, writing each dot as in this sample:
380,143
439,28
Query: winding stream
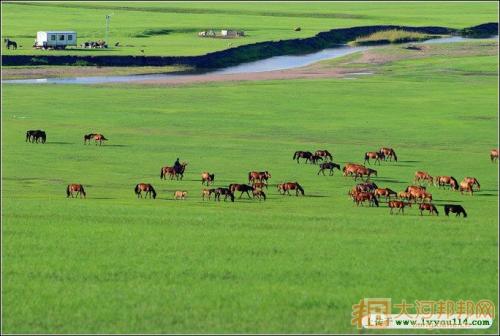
269,64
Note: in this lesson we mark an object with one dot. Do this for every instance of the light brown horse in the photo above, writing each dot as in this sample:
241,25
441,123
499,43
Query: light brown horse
170,171
428,207
415,188
400,205
374,155
350,169
324,154
385,192
259,185
473,182
494,155
286,187
179,194
420,195
404,195
389,153
99,138
363,171
78,188
207,178
442,181
467,187
259,194
148,188
255,176
422,176
207,193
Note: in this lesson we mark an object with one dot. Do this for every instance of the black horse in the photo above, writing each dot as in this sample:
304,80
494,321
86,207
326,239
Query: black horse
301,154
454,208
9,43
34,136
328,165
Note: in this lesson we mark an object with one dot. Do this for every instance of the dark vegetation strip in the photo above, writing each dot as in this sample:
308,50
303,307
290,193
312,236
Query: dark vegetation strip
244,53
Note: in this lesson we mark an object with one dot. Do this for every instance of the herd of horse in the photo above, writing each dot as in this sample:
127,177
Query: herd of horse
361,193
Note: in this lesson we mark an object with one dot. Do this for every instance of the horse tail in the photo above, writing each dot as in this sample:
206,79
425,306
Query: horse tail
395,156
455,183
153,191
27,136
300,188
103,138
67,191
136,190
263,195
249,177
82,190
435,209
328,154
162,174
366,156
231,195
446,210
295,155
465,213
375,201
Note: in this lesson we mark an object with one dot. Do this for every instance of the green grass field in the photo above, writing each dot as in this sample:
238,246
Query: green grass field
114,263
171,28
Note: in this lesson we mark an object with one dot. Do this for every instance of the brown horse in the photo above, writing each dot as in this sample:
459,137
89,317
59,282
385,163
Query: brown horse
207,178
362,197
400,205
454,208
180,194
494,155
374,155
302,154
286,187
207,193
223,191
324,154
415,188
148,188
389,153
257,193
442,181
428,207
258,176
385,192
328,165
315,158
350,169
420,195
259,185
473,182
467,187
99,138
88,137
170,171
367,186
422,176
363,171
404,195
243,188
78,188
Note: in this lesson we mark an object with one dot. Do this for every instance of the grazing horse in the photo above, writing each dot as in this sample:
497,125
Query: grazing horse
148,188
286,187
428,207
494,155
279,186
207,193
350,169
223,191
473,182
398,205
301,154
324,154
415,188
258,176
88,138
257,193
34,136
361,197
99,138
328,165
385,192
420,195
374,155
467,187
389,153
422,176
207,178
442,181
362,171
180,194
78,188
369,187
259,185
315,158
9,43
244,188
454,208
170,171
404,195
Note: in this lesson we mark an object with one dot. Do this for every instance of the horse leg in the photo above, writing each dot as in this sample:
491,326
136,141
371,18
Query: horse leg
331,172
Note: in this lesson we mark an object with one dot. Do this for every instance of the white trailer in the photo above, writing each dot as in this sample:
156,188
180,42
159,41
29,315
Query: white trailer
55,39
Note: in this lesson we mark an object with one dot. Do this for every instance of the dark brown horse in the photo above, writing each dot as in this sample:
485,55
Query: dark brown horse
258,176
385,192
302,154
324,154
374,155
422,176
454,208
224,191
363,171
98,138
328,166
389,153
442,181
315,158
171,172
75,188
400,205
428,207
366,186
146,187
362,197
207,178
243,188
88,137
494,155
286,187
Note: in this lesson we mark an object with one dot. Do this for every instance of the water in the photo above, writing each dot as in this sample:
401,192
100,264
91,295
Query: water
269,64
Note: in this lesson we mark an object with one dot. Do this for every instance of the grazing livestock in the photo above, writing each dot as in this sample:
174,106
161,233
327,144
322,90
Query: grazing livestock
207,178
180,194
259,185
454,208
400,205
388,153
467,187
442,181
362,197
243,188
258,176
148,188
374,155
223,191
96,136
420,195
324,154
315,158
257,193
35,136
422,176
494,155
328,165
472,181
366,186
404,195
286,187
302,154
207,193
363,171
9,43
385,192
428,207
75,188
172,172
88,138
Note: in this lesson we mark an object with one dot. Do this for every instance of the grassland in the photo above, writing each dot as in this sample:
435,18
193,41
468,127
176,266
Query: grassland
113,263
171,28
391,36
